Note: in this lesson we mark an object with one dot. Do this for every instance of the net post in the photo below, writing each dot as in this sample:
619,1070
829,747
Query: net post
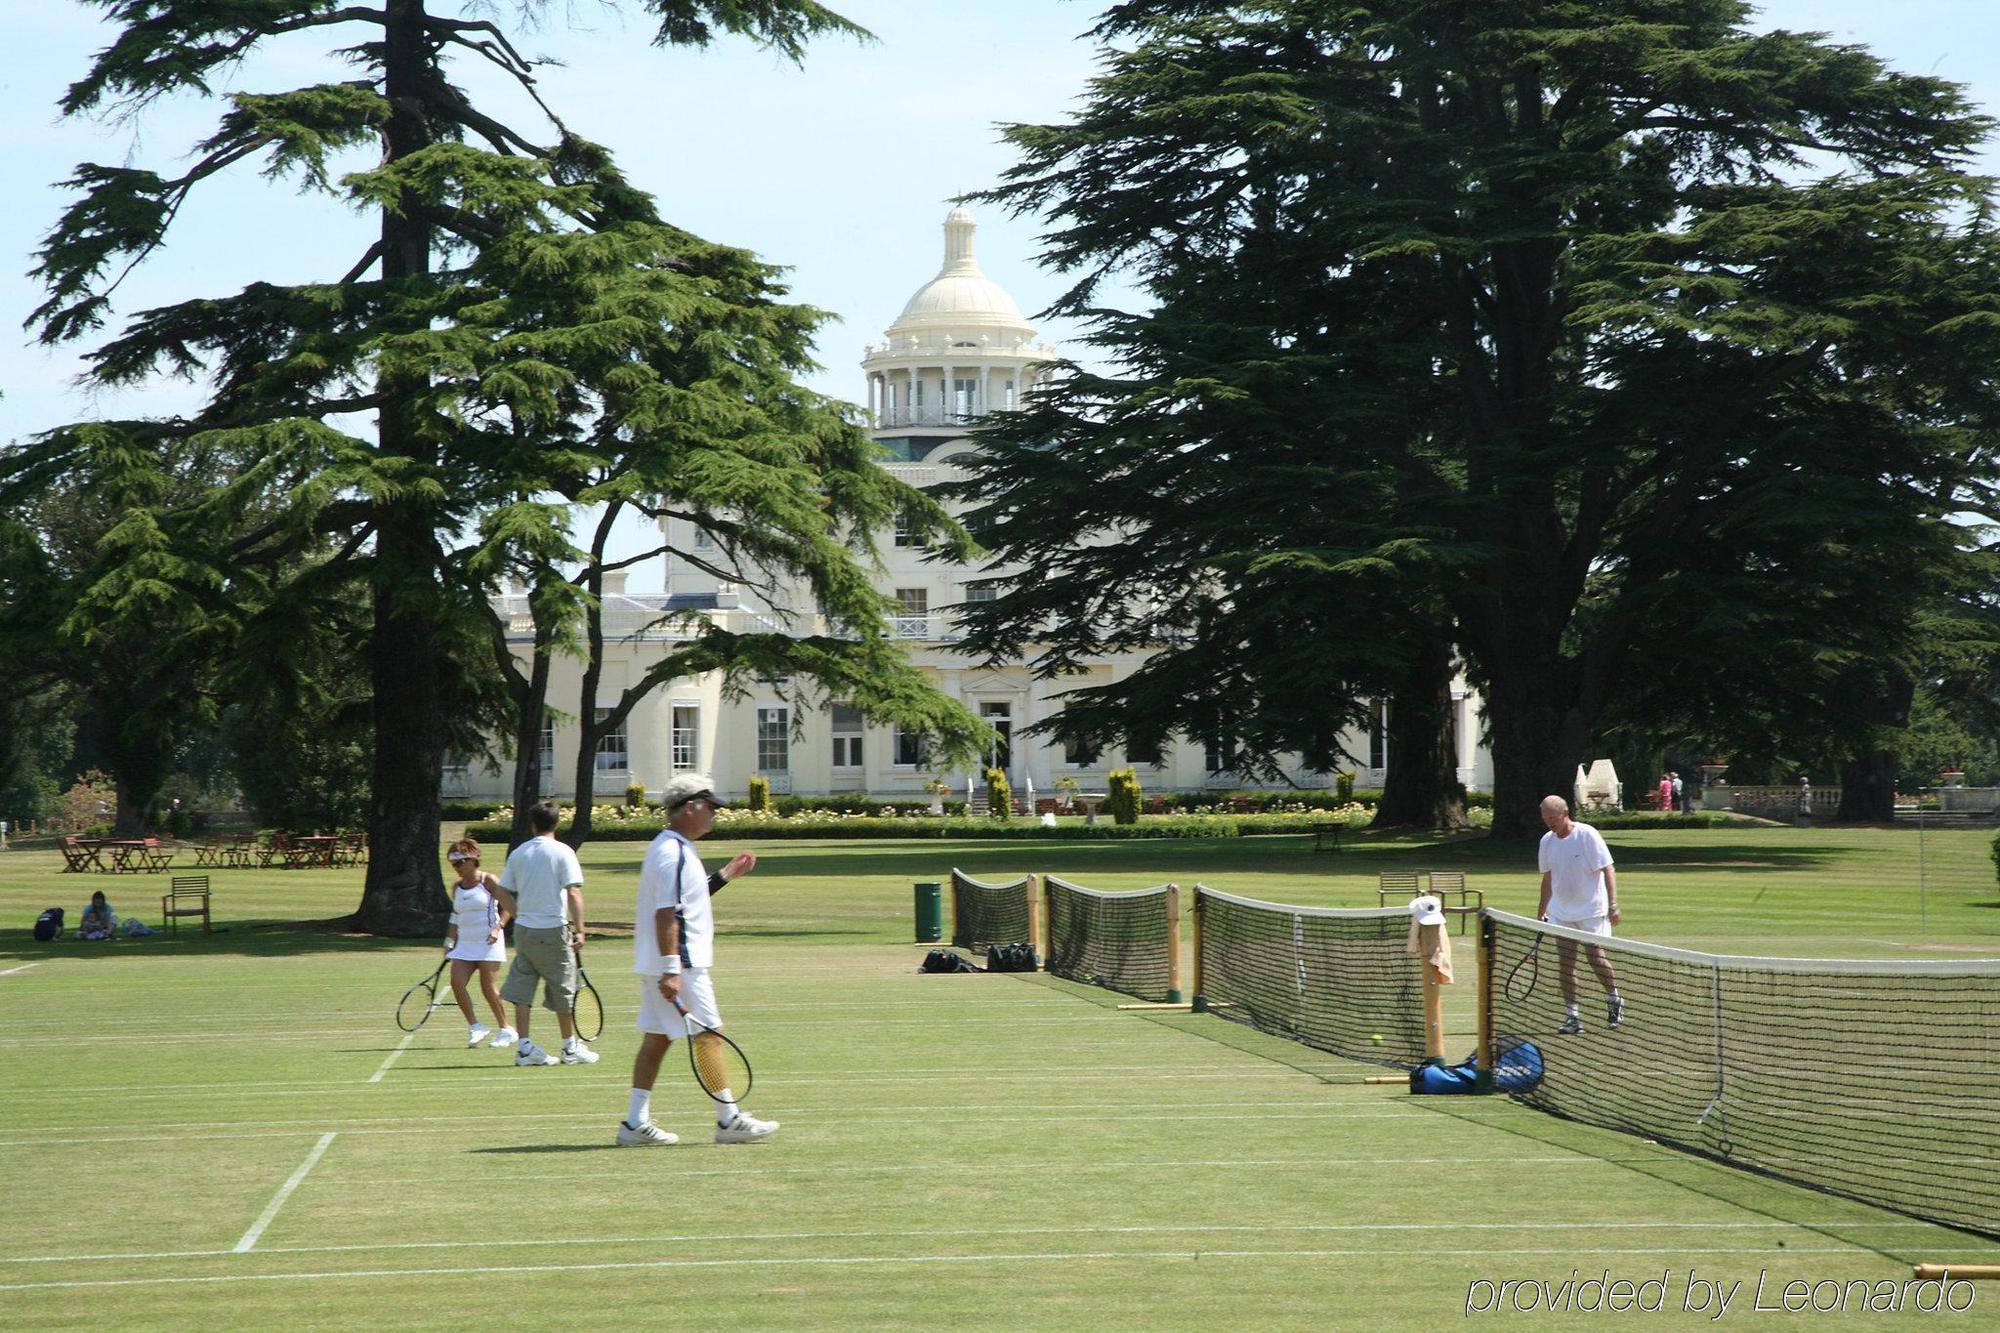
1433,996
1483,1078
955,935
1199,1004
1173,908
1038,921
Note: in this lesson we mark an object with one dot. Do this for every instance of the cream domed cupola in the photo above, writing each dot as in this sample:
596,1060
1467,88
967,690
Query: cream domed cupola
960,298
959,350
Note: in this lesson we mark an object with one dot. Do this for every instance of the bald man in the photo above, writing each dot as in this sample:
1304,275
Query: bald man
1580,891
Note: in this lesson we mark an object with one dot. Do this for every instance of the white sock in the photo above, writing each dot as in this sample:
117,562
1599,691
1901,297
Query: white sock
641,1108
725,1108
1572,1011
569,1042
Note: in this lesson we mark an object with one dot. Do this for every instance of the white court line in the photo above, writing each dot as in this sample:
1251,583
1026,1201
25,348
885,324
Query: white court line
1366,1228
22,968
402,1046
1075,1168
284,1193
882,1260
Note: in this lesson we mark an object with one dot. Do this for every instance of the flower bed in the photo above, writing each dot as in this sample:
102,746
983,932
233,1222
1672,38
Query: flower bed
741,825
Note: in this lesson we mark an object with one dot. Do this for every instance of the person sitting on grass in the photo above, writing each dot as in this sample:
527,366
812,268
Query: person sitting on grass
97,919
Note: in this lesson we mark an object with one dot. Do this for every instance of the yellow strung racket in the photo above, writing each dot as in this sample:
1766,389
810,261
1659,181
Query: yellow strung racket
719,1063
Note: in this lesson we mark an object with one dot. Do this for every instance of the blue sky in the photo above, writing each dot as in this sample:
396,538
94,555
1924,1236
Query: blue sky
839,170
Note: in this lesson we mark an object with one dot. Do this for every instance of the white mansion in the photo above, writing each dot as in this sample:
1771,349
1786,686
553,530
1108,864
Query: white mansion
959,351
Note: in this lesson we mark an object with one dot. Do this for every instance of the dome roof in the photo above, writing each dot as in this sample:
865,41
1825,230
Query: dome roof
961,297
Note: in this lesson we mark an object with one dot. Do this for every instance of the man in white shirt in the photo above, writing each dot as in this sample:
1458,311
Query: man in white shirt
1579,890
547,883
673,948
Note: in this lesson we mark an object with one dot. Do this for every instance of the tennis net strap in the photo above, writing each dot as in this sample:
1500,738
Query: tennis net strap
1873,1080
984,914
1122,941
1332,978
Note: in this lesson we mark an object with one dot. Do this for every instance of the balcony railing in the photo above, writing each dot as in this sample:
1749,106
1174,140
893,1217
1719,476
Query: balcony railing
927,415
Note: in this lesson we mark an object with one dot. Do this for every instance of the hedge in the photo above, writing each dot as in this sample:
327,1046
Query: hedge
860,827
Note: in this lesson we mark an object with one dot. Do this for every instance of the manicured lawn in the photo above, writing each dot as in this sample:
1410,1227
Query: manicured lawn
974,1150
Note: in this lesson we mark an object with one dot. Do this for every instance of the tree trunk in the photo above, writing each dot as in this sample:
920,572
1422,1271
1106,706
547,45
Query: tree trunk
1422,786
1868,780
1538,739
532,703
528,753
403,894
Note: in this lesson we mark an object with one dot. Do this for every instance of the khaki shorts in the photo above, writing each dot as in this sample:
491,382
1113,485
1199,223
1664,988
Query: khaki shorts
542,954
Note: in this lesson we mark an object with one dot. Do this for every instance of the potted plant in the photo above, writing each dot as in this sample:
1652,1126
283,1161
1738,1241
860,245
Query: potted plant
1069,787
937,787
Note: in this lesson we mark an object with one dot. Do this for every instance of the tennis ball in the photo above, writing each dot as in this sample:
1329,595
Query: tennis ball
1376,1038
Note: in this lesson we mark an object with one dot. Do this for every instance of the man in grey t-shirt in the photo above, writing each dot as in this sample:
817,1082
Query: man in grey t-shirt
547,883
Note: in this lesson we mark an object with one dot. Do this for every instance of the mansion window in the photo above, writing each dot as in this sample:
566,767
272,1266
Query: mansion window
685,737
847,728
913,613
774,740
611,746
909,748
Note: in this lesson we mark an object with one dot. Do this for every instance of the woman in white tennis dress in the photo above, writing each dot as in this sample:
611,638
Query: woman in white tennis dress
475,941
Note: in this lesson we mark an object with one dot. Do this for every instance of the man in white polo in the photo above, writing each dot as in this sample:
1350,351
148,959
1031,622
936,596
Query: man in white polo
673,948
1579,890
547,883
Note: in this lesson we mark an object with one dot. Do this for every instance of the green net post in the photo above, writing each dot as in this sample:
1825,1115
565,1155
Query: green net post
930,912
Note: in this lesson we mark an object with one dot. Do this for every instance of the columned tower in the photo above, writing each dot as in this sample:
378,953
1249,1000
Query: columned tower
959,351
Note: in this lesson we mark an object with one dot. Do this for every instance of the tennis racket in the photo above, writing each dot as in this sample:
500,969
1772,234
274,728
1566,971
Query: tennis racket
588,1010
719,1063
1522,976
414,1010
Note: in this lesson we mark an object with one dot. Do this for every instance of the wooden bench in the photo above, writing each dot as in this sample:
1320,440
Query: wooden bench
1326,837
187,897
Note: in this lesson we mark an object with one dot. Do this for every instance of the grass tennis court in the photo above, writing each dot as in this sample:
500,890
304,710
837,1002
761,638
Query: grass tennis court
231,1127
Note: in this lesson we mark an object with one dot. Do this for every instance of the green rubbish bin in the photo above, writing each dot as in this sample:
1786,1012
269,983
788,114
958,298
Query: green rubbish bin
930,913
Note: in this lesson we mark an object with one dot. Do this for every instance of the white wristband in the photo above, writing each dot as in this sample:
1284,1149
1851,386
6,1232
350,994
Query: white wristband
672,967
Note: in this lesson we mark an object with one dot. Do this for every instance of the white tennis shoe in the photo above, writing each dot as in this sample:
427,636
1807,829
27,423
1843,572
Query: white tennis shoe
477,1033
504,1038
648,1135
531,1054
576,1053
745,1129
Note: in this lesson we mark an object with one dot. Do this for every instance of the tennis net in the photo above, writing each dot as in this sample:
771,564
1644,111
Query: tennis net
1872,1080
1332,978
983,915
1127,942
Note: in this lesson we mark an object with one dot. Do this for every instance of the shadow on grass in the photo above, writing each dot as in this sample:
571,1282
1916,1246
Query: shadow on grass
264,938
525,1148
1741,1187
1323,1066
